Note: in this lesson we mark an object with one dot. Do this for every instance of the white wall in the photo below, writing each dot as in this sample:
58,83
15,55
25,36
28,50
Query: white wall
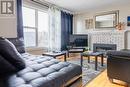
8,28
8,24
79,19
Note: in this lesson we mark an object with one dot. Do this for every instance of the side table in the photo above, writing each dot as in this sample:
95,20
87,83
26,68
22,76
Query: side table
95,54
55,54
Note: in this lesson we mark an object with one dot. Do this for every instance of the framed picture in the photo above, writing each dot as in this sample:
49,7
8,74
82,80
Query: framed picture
128,21
89,23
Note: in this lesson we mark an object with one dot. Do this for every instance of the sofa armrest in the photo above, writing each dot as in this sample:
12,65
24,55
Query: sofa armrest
118,68
125,54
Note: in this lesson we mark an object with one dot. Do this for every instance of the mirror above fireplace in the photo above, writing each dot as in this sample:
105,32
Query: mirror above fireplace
107,19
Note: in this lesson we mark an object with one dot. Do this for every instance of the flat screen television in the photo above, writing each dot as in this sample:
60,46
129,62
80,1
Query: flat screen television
79,40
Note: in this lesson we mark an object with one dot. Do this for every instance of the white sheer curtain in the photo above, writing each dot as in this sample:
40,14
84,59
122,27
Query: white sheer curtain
54,29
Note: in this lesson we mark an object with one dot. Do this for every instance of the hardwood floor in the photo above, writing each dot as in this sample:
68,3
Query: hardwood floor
102,81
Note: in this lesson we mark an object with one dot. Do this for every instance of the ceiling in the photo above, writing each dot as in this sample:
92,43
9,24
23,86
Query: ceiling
86,5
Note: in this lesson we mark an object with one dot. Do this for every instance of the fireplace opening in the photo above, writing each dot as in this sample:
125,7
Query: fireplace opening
104,47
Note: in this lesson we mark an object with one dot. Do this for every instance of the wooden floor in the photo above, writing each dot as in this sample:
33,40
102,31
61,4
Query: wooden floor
102,81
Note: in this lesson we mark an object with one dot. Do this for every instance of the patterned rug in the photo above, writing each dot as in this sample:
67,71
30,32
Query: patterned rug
88,70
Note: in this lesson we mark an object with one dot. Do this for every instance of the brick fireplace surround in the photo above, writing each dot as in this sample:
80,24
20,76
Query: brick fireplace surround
115,37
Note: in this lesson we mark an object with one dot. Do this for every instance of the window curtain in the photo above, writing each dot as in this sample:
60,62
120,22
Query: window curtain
54,29
19,19
66,29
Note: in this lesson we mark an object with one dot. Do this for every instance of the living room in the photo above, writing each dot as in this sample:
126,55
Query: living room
65,43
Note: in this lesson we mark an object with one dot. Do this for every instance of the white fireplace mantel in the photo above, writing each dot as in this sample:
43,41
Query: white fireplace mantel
108,37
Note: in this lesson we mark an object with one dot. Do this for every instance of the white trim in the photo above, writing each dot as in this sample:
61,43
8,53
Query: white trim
29,27
30,49
33,48
34,5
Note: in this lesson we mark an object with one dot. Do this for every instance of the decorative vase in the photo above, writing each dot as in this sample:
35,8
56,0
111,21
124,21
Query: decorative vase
120,26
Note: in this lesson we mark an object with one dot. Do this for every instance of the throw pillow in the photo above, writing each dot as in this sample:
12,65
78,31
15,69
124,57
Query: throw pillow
10,53
5,67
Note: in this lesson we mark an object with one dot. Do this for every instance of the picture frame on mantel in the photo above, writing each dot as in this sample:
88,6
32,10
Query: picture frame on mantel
89,24
128,21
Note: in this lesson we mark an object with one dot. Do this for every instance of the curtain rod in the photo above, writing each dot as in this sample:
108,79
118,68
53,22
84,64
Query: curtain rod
47,5
41,3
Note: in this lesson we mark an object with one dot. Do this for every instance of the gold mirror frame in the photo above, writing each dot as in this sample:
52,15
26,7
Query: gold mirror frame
107,13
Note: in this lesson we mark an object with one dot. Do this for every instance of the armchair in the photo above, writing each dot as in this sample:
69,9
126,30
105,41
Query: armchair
118,65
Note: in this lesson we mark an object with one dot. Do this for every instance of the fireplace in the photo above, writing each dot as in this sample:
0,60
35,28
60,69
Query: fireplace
103,47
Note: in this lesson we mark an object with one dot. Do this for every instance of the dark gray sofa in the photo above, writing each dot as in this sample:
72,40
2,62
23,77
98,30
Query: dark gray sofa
41,71
118,65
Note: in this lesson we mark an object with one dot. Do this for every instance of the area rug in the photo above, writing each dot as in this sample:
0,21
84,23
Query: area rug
88,70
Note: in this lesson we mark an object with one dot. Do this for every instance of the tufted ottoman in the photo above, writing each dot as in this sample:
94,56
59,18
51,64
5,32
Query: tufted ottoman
43,71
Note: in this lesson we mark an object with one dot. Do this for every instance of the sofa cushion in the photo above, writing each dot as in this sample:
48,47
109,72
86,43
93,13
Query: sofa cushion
10,53
5,67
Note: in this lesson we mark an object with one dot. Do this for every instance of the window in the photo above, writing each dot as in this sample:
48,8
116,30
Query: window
29,23
42,29
35,23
